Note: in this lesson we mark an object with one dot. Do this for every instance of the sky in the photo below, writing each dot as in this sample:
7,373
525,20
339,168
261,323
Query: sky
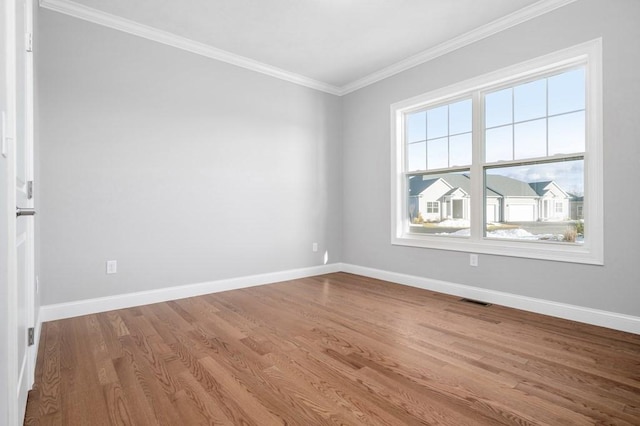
569,175
535,119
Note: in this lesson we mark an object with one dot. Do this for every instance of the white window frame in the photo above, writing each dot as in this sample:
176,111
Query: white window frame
589,55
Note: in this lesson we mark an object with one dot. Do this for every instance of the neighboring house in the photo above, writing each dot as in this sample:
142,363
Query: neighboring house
437,198
517,202
554,201
576,205
441,197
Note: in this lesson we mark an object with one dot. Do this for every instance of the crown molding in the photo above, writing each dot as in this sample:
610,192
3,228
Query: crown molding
71,8
76,10
525,14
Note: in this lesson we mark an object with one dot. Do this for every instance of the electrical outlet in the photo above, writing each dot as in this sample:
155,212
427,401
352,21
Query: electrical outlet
314,247
112,266
473,259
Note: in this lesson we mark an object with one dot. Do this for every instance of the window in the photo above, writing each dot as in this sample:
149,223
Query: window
507,163
439,137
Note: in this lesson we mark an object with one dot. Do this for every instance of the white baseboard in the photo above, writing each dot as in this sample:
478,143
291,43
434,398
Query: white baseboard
597,317
103,304
601,318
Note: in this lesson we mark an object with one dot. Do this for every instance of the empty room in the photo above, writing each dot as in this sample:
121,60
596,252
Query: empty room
319,212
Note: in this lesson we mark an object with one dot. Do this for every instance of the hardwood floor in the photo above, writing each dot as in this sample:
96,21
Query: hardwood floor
332,349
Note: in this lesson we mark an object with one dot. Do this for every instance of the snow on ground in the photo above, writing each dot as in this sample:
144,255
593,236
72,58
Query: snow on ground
454,223
512,234
509,234
460,233
517,233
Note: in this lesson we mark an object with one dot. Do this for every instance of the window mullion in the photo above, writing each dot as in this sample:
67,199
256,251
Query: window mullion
477,180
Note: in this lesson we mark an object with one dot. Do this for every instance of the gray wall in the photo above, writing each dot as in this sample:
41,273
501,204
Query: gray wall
614,287
182,168
185,169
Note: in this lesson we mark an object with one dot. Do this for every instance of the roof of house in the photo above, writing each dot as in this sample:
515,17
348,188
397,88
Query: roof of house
497,185
417,184
509,187
454,190
540,187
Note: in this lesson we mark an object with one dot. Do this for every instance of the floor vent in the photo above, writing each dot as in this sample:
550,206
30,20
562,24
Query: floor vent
476,302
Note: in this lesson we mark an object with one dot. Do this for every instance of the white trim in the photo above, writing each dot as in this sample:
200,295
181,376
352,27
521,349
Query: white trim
11,409
545,63
29,100
86,13
525,14
591,252
616,321
103,304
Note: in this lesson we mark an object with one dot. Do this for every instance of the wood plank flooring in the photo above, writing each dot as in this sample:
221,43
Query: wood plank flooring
336,349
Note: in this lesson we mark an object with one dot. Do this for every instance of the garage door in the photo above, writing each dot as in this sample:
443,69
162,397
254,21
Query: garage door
520,213
492,213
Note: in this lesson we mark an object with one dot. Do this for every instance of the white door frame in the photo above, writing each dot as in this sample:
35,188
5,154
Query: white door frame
13,401
29,131
9,280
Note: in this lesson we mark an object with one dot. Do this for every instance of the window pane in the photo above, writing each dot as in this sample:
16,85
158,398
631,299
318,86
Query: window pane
530,139
460,117
416,126
438,154
438,122
439,204
499,144
440,150
530,100
567,133
417,156
567,92
498,108
536,202
460,150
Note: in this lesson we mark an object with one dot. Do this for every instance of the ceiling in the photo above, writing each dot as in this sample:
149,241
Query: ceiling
333,45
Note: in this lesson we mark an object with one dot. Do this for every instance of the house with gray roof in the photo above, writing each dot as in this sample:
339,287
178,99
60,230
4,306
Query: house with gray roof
554,201
440,197
576,206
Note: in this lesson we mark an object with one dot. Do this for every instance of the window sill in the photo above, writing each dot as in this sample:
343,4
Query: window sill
558,252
